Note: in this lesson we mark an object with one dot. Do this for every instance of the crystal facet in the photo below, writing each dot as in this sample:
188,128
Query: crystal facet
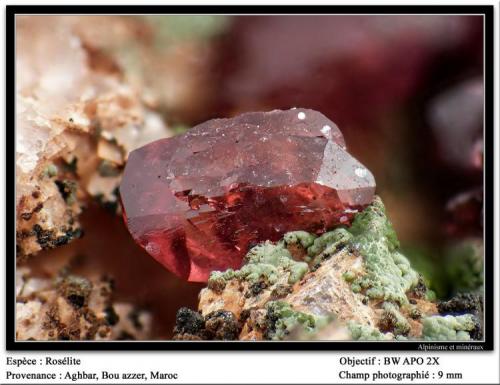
197,202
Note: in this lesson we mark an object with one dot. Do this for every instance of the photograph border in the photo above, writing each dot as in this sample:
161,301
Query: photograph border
489,266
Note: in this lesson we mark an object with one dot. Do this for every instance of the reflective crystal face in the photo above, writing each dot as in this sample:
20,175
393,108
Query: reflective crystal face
197,202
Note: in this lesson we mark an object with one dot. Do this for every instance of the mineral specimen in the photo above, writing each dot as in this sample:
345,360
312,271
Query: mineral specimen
454,328
339,295
196,202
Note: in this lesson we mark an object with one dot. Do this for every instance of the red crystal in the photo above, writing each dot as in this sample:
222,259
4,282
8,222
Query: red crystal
197,202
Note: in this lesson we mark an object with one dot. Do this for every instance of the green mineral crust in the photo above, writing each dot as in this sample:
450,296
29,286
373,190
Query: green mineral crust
365,333
282,319
328,244
267,262
393,318
389,275
302,238
448,328
380,276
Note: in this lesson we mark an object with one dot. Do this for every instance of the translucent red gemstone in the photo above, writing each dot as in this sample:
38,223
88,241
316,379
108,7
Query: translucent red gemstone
197,202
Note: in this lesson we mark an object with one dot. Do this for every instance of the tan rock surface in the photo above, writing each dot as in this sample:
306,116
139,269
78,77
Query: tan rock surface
75,125
74,308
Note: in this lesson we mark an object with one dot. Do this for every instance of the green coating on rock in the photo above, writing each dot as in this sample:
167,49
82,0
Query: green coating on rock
282,319
388,272
349,276
302,238
448,328
218,279
332,240
50,171
394,319
364,332
430,295
268,253
386,275
356,288
373,221
267,262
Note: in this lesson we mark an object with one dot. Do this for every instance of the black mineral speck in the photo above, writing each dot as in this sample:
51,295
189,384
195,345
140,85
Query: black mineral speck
75,289
465,303
67,189
76,300
462,303
222,325
188,321
111,317
43,237
48,240
257,287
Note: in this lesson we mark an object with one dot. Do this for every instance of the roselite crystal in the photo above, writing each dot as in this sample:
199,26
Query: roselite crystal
197,202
